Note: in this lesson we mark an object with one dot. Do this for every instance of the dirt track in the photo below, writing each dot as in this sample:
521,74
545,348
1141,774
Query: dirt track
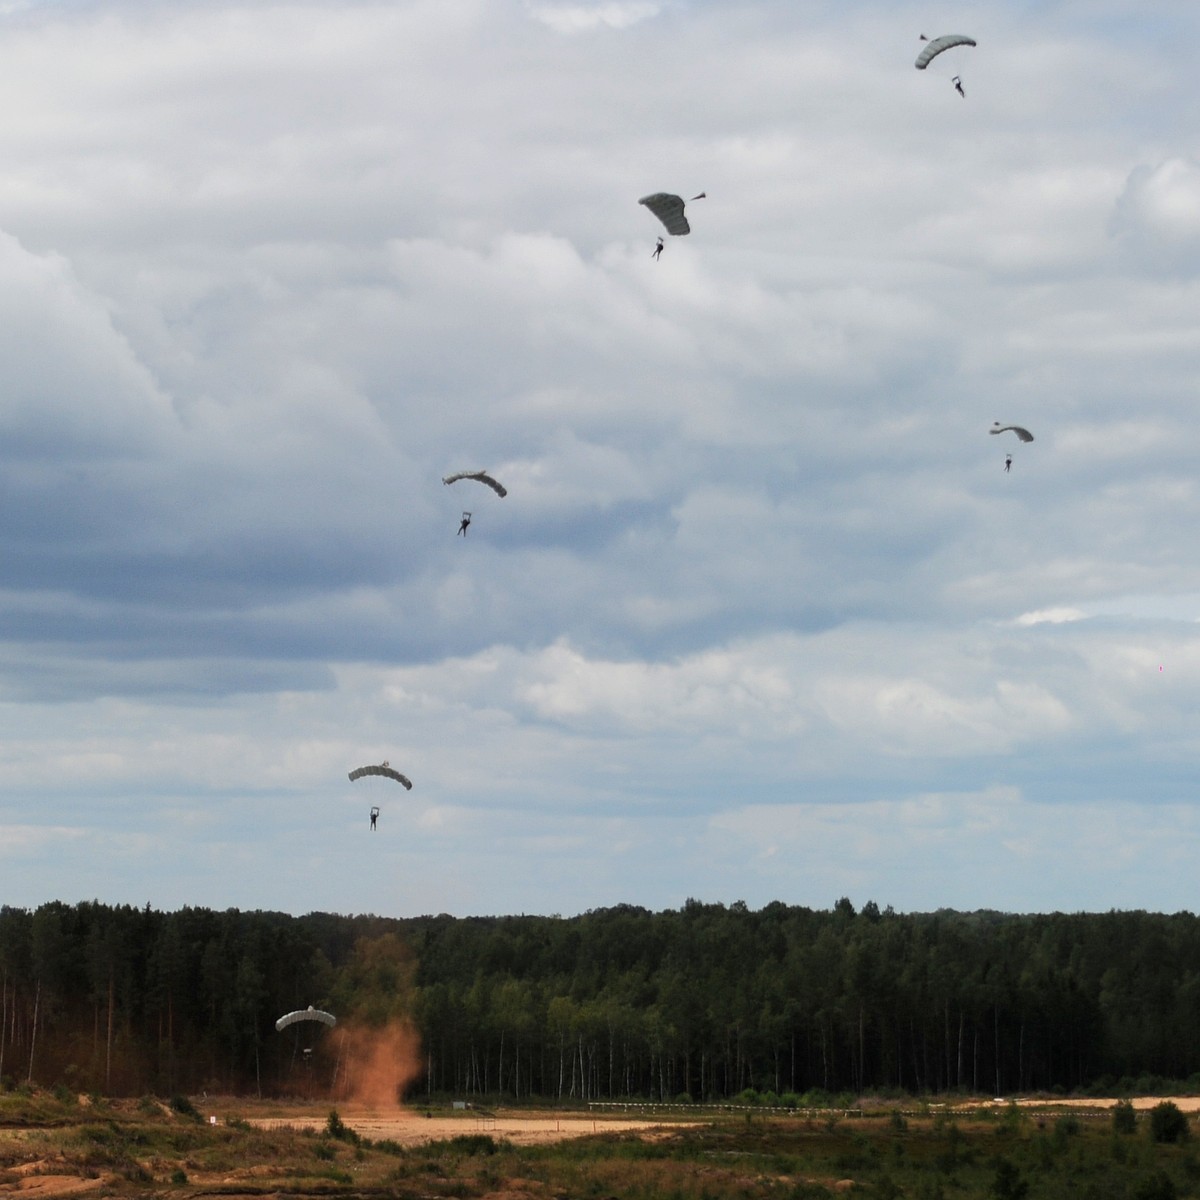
408,1127
1187,1104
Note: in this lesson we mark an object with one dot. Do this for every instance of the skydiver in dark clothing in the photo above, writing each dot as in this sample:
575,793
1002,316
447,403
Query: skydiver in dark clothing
957,81
657,249
1008,462
374,818
466,520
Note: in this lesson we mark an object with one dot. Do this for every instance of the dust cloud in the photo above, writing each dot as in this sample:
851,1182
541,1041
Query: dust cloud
376,1065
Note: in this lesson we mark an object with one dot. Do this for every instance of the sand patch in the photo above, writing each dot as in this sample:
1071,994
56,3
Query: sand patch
411,1128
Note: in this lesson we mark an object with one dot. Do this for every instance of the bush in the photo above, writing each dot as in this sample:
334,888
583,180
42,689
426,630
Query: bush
336,1128
1167,1123
1008,1184
1124,1118
1159,1186
1067,1126
185,1108
469,1144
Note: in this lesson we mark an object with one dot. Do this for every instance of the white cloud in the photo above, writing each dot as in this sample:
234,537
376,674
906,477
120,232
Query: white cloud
1055,616
269,273
583,18
1158,211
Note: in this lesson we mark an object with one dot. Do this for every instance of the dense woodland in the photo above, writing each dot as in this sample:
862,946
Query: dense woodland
707,1002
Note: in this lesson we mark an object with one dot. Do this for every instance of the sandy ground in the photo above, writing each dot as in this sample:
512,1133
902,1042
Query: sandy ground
409,1127
1187,1104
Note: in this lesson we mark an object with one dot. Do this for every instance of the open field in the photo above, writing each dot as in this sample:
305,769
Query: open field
1040,1149
412,1128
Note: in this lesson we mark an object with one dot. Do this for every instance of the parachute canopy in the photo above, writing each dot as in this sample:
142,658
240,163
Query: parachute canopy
668,209
932,49
479,477
383,769
305,1014
1023,434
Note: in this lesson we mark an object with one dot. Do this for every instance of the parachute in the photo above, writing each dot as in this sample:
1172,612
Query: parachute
932,49
668,209
383,769
305,1014
1022,433
480,477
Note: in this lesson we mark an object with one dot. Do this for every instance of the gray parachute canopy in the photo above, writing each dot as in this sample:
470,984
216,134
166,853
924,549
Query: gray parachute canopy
479,477
305,1014
1023,434
668,209
383,769
932,49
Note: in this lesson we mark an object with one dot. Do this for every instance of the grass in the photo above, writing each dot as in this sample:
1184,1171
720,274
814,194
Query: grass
1010,1155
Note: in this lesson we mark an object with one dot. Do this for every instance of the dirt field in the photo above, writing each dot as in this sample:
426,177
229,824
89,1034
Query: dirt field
411,1127
1187,1104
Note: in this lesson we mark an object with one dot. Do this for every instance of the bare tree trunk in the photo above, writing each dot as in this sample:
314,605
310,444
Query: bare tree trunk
958,1073
3,1018
108,1041
37,996
996,1040
824,1060
946,1031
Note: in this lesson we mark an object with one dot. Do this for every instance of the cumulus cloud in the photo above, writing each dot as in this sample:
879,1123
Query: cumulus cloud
270,273
582,18
1157,215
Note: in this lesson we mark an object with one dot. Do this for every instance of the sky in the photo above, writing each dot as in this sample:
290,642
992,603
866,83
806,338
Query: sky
762,617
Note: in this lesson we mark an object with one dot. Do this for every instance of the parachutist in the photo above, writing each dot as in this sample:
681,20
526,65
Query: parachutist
668,208
374,818
657,249
1022,433
957,81
466,520
482,477
384,770
938,45
1007,463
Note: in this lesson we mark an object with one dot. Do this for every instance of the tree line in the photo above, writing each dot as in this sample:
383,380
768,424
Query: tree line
707,1002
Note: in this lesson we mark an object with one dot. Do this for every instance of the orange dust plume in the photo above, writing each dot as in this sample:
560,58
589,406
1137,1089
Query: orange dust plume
376,1065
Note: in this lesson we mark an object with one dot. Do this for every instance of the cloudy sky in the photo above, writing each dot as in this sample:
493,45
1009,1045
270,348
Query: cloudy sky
762,617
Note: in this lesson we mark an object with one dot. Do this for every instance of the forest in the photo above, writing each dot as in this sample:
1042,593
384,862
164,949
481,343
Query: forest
706,1003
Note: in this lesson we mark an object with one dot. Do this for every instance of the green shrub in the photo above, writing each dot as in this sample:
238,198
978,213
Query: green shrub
1008,1183
336,1128
1168,1124
1159,1186
1067,1125
1124,1117
185,1108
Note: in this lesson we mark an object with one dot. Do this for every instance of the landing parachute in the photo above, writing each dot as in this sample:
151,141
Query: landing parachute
479,477
935,47
305,1014
1021,432
668,208
384,769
